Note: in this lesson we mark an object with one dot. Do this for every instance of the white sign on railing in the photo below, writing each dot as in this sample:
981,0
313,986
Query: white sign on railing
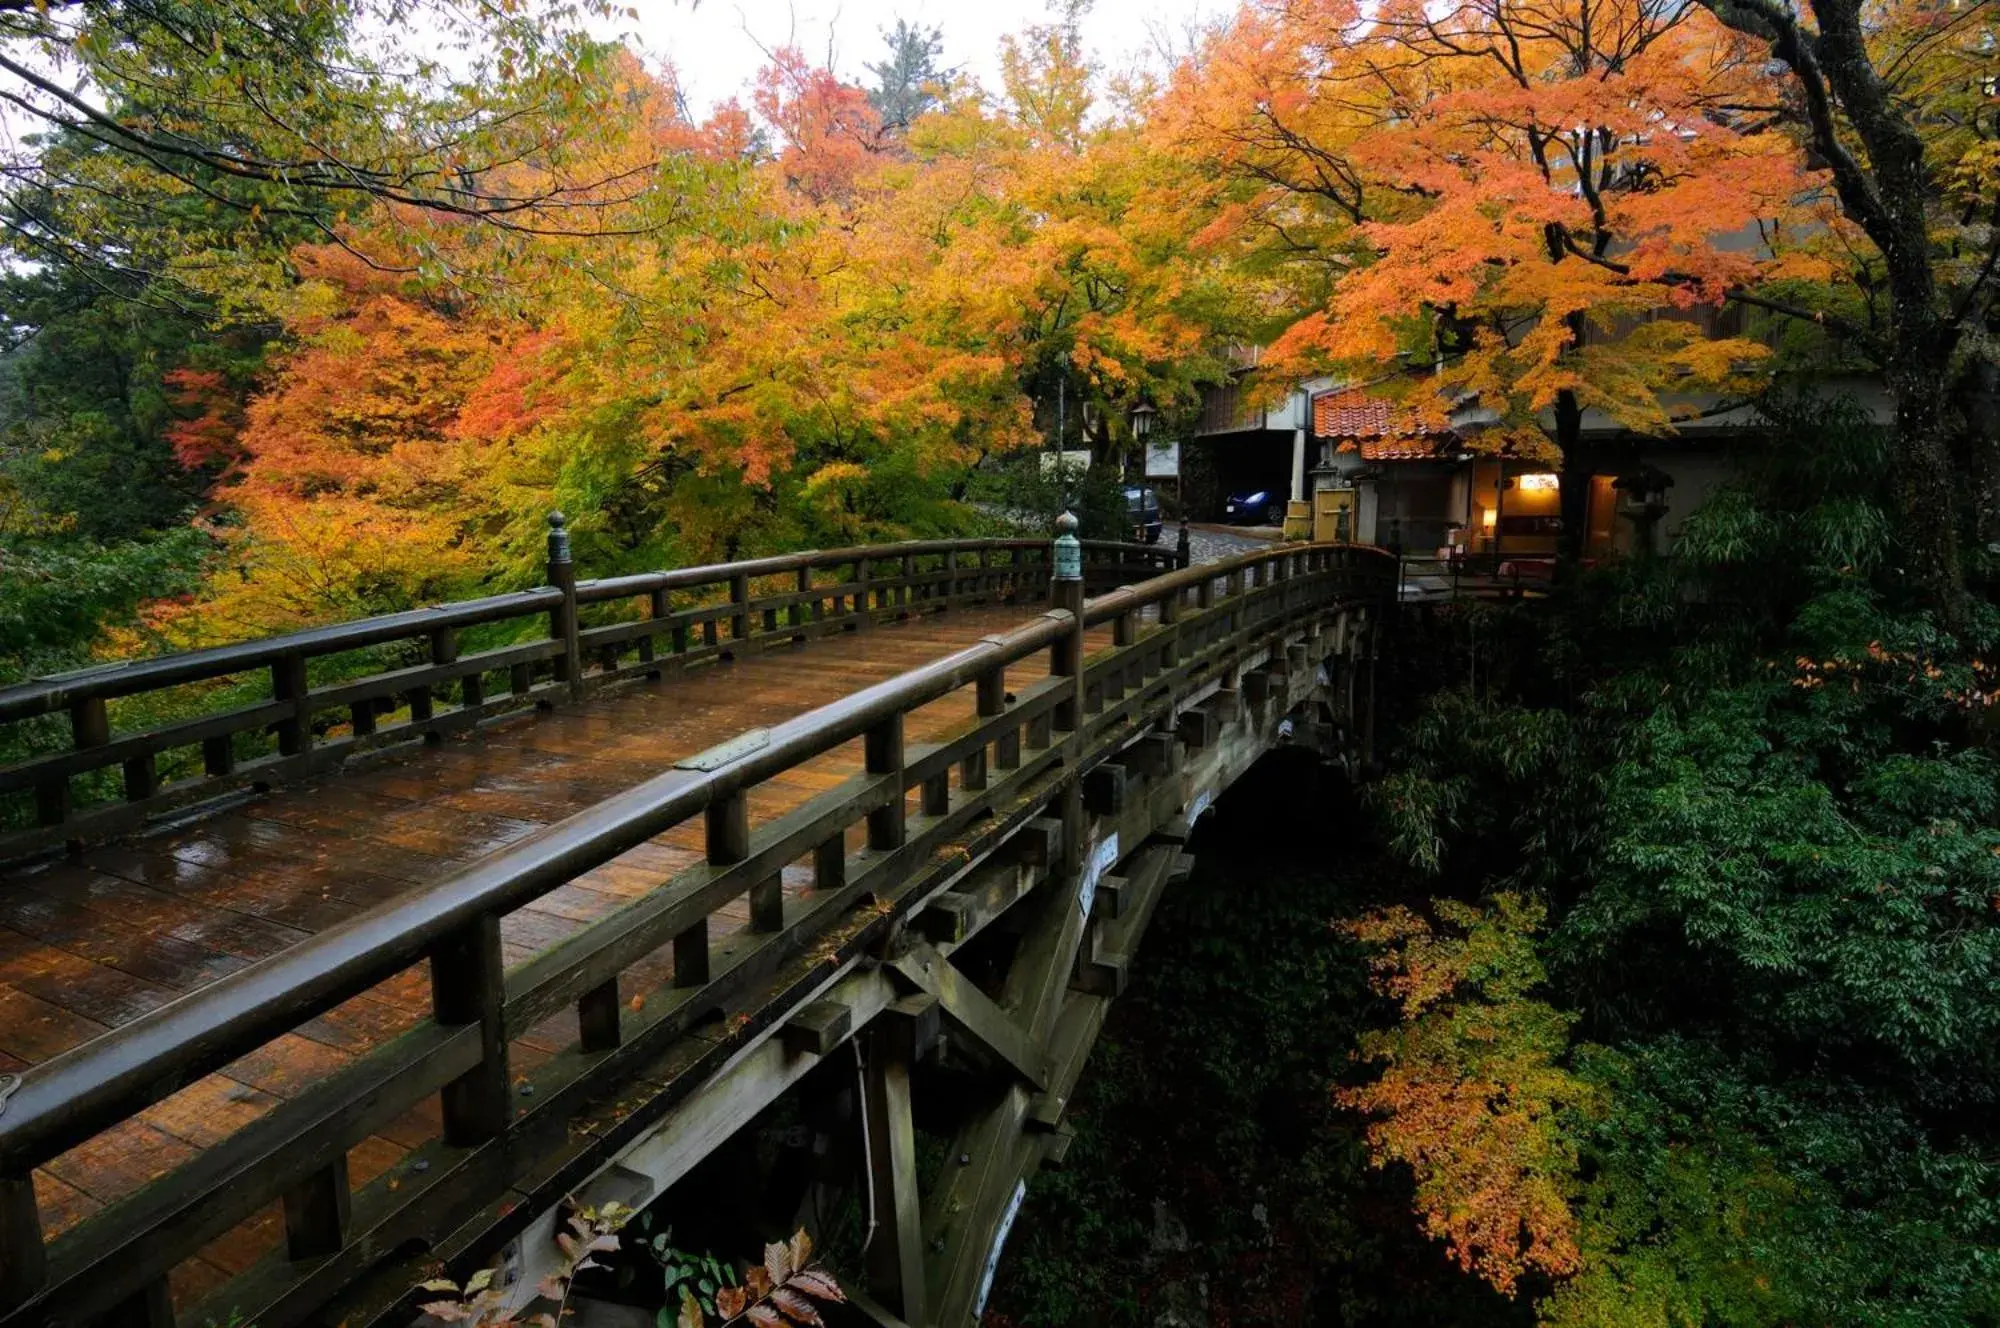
1102,859
999,1244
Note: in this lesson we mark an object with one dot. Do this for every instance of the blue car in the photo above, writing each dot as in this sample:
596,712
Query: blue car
1258,507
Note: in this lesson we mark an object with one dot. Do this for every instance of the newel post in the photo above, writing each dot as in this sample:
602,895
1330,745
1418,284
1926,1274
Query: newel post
1181,552
1066,592
23,1262
562,619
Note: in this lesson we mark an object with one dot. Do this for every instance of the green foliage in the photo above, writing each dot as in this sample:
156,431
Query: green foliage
1718,1198
684,1274
96,395
172,127
1753,785
907,77
57,595
1017,488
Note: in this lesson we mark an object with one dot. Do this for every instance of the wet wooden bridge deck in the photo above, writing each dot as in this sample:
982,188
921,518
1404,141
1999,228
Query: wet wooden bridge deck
91,941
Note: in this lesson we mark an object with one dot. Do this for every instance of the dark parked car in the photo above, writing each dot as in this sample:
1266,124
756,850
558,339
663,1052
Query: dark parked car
1142,511
1258,507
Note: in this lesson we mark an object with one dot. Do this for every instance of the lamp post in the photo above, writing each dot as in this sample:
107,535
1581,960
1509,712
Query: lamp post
1143,416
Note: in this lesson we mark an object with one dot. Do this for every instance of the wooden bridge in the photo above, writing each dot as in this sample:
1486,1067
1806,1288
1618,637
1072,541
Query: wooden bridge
420,926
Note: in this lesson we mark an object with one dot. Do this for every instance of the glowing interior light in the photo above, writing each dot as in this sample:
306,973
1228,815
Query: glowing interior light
1489,518
1540,480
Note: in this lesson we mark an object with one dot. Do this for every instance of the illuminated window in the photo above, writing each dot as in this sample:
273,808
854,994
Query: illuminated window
1540,482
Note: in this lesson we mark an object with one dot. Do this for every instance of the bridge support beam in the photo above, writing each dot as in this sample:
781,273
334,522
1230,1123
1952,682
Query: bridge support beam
895,1256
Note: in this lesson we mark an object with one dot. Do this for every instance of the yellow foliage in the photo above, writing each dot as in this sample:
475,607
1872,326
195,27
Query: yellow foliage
1473,1089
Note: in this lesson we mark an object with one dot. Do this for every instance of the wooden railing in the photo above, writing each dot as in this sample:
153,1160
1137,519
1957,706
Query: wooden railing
415,678
509,1131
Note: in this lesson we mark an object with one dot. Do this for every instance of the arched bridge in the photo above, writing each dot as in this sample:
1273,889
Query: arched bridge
331,958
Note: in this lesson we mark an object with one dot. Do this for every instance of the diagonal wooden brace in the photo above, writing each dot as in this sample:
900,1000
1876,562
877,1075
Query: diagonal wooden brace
972,1012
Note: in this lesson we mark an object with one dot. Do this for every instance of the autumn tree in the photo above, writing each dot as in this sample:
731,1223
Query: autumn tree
1543,202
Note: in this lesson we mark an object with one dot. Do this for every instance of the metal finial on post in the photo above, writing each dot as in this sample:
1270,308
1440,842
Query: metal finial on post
558,538
1182,552
1068,550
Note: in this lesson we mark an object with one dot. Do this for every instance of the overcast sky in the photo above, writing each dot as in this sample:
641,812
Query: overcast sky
717,45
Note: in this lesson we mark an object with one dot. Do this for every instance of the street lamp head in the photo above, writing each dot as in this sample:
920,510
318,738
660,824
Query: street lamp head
1142,419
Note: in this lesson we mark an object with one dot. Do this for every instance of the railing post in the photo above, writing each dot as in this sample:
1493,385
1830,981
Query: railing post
1129,672
468,986
317,1212
657,607
864,613
883,745
739,601
288,683
1182,554
1066,592
444,650
598,1018
727,827
90,726
563,624
992,693
830,863
23,1260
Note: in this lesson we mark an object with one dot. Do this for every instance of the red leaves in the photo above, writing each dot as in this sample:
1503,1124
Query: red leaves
210,410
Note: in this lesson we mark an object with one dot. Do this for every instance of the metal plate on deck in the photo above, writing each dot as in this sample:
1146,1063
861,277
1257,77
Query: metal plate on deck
720,755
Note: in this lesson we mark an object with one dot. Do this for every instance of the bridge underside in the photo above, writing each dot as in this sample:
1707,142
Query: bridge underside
986,975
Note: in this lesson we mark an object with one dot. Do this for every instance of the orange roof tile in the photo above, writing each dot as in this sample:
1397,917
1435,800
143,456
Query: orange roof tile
1352,415
1401,449
1383,430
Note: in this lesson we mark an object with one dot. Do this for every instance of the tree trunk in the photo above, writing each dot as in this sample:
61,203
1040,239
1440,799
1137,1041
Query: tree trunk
1575,489
1926,478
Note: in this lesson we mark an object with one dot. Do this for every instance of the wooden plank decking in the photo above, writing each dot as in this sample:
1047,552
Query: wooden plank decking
90,942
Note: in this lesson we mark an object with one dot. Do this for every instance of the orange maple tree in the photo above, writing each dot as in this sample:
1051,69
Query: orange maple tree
1544,202
1474,1092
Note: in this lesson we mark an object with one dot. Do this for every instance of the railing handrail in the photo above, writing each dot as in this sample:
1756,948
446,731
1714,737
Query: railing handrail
40,696
54,692
76,1095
